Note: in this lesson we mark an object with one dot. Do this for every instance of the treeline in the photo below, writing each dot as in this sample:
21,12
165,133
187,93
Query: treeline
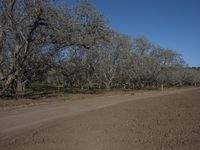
57,44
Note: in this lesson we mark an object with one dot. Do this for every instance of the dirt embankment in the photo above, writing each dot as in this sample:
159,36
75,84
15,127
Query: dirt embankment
155,122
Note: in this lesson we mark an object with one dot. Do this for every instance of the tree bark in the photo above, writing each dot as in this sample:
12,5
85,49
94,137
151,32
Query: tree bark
20,86
162,87
107,87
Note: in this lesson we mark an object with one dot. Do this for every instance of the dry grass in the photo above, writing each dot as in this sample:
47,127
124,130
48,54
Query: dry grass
71,95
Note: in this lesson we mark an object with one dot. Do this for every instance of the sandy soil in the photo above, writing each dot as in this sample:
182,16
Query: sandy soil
153,121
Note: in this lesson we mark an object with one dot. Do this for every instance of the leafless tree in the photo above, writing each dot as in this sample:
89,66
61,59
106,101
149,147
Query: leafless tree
32,31
111,58
41,41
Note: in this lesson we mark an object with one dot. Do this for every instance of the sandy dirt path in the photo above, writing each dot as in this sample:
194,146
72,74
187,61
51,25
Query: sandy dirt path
151,120
11,121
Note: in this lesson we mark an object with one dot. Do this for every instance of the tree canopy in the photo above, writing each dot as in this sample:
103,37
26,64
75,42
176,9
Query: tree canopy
43,42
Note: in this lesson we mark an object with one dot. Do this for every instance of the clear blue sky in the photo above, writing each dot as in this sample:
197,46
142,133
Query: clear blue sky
172,24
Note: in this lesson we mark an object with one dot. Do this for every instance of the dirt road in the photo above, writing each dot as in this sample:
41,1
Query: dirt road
152,120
